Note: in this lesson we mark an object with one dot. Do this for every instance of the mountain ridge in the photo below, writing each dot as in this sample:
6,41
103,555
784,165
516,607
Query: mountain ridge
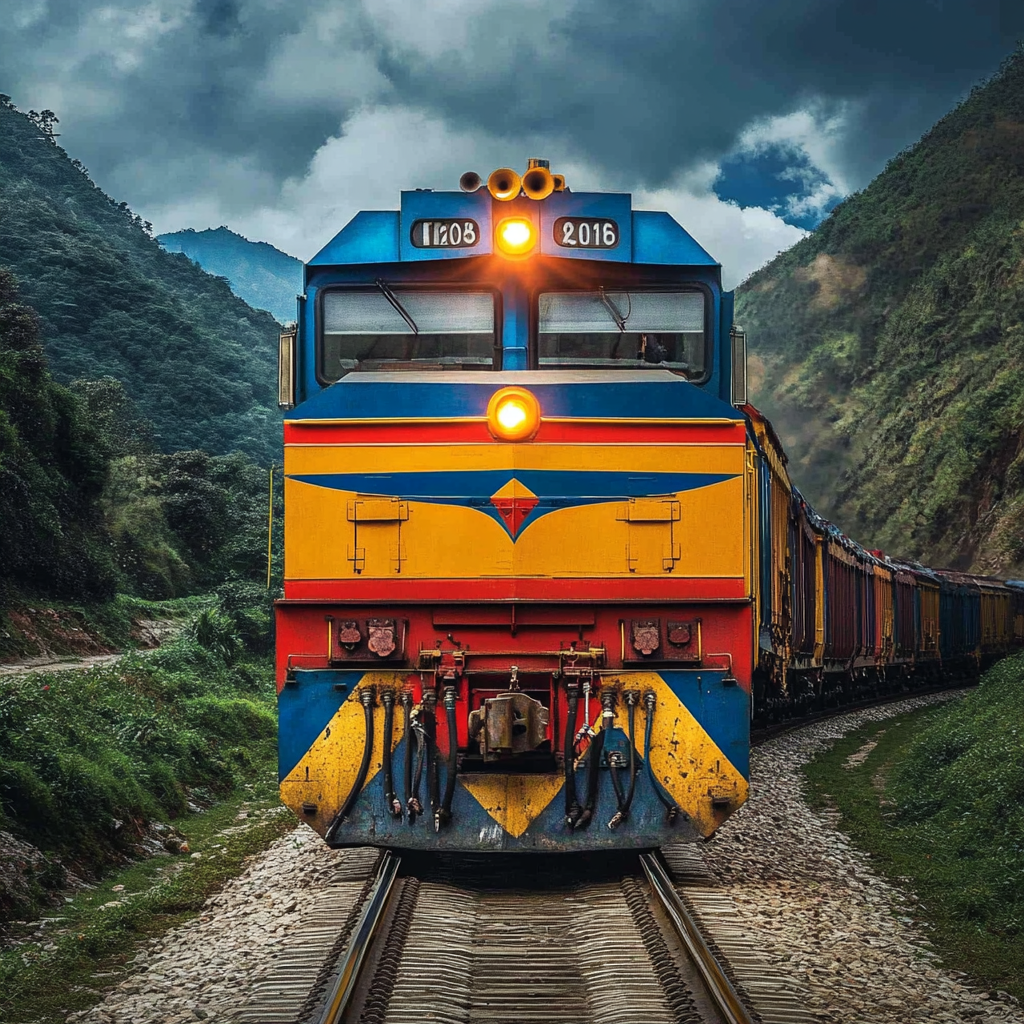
258,272
198,362
888,345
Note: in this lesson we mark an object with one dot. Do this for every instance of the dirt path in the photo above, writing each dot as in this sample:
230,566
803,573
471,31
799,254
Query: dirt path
153,633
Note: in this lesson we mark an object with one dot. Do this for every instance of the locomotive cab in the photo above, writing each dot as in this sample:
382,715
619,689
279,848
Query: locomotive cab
518,610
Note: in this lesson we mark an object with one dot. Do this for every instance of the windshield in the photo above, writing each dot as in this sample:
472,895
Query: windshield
619,329
406,328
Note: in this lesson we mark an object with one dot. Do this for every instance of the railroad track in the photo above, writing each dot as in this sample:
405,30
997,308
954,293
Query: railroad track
483,940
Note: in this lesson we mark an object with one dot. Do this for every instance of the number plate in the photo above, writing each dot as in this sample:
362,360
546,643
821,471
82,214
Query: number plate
586,233
445,234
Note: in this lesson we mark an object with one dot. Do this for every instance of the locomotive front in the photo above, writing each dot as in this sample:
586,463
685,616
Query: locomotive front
519,535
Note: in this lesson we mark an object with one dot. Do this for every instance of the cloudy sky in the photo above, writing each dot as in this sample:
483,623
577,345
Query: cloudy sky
746,119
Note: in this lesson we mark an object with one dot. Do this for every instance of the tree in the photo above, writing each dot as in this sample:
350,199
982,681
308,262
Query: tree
45,120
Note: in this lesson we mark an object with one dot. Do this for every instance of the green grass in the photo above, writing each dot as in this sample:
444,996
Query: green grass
91,948
939,803
88,758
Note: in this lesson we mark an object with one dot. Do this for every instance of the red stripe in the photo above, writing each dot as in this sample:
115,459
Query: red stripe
477,433
516,589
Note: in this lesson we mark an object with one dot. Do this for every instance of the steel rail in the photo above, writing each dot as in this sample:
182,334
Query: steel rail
719,987
362,936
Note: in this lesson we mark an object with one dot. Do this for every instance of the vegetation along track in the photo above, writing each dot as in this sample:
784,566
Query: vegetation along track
482,939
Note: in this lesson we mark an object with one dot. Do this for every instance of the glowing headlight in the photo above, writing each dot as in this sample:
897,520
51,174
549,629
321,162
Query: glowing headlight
516,236
513,414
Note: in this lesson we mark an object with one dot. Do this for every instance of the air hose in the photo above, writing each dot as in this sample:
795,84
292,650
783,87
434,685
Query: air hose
411,800
650,703
366,697
394,804
414,804
594,754
625,802
572,804
430,738
444,814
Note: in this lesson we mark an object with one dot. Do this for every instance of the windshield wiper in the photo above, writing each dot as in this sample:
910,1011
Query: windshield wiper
399,308
620,320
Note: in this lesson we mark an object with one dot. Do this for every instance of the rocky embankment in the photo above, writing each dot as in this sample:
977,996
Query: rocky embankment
816,907
820,910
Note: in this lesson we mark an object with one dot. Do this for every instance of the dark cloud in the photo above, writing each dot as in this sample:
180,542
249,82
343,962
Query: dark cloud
142,92
227,98
653,84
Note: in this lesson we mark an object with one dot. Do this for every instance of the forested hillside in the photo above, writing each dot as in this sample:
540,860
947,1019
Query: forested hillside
88,508
198,362
888,346
262,275
52,470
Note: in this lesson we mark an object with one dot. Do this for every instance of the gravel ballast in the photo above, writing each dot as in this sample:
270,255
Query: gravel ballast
206,969
820,909
815,904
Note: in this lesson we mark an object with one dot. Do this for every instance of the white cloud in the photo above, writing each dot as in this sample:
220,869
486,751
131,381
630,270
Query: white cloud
26,13
116,38
383,150
816,131
741,239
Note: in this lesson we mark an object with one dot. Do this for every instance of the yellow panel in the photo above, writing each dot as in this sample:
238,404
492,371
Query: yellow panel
513,801
331,535
592,541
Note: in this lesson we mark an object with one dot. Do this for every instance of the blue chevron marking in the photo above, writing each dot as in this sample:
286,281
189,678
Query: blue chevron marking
555,488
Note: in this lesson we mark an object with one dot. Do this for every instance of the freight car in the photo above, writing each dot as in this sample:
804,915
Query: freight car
543,561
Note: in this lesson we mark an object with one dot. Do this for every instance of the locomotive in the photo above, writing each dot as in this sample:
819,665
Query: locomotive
543,561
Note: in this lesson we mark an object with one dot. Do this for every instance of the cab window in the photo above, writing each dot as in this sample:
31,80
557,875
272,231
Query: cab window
406,329
604,328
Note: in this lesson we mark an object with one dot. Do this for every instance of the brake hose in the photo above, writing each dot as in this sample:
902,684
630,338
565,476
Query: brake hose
594,754
650,703
366,696
572,804
430,738
394,804
444,814
625,802
412,802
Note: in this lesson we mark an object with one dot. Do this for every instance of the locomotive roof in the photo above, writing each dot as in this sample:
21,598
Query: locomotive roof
385,236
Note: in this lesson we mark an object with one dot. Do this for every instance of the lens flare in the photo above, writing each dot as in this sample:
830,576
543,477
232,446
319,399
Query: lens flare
516,236
513,414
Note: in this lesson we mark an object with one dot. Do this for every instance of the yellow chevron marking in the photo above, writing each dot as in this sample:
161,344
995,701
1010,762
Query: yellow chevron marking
685,759
513,801
328,769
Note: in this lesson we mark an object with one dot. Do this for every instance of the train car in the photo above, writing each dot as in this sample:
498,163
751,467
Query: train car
959,622
520,533
543,561
1016,588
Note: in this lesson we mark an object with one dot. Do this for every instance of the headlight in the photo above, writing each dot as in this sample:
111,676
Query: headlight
513,414
516,236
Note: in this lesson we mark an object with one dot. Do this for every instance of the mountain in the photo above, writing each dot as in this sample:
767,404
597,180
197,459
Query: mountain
262,275
888,346
198,362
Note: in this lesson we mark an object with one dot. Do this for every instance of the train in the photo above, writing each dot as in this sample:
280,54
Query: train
544,564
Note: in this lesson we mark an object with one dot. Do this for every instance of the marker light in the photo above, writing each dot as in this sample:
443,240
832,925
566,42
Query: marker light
516,236
513,414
